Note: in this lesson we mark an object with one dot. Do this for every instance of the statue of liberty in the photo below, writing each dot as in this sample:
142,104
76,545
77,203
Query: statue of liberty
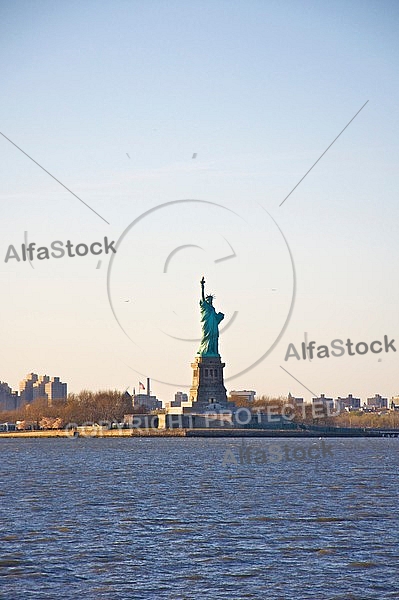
210,320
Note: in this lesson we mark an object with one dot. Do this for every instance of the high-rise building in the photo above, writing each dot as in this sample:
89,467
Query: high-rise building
39,387
9,400
377,401
349,403
26,388
50,389
55,390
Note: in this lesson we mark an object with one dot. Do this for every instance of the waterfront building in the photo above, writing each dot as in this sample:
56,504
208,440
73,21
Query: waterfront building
6,427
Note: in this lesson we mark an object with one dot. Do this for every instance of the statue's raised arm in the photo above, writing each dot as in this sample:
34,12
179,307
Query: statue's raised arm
202,282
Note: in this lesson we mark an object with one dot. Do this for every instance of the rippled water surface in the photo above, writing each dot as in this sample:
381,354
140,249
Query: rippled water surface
164,518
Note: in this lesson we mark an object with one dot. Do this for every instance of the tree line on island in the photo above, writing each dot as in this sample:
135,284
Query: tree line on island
84,407
308,416
110,406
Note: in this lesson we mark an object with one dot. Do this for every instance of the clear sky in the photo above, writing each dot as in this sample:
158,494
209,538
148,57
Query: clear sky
113,99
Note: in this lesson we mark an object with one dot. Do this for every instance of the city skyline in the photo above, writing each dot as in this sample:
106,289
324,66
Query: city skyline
34,387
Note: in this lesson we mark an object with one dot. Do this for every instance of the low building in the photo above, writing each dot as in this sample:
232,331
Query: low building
146,401
180,398
296,401
246,395
5,427
140,421
322,401
394,403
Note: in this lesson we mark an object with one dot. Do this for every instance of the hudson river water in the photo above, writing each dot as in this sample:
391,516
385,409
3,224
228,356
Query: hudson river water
163,518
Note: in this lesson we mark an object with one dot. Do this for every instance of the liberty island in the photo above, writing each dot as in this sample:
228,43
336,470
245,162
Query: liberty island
206,411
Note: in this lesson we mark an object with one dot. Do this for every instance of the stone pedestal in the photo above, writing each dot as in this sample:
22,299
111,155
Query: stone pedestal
208,388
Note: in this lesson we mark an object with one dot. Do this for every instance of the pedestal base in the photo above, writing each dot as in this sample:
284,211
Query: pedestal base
207,390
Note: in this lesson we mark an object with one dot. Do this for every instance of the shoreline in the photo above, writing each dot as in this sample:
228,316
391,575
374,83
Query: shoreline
199,433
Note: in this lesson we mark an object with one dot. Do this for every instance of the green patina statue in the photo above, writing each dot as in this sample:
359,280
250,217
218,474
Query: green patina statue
210,320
